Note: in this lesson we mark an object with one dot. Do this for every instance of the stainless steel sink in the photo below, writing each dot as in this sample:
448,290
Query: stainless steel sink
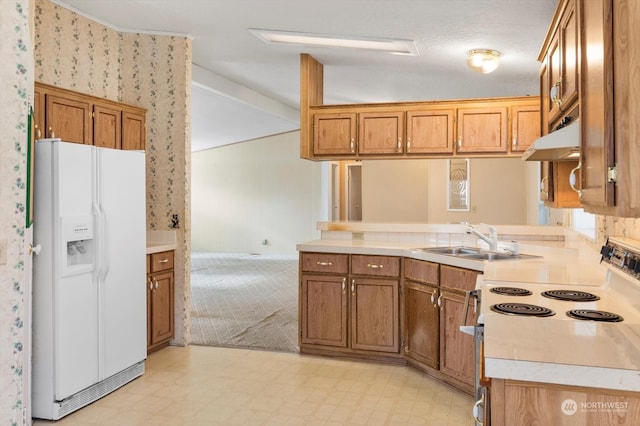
475,253
454,251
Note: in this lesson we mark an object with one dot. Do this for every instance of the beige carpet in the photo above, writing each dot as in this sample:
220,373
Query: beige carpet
243,300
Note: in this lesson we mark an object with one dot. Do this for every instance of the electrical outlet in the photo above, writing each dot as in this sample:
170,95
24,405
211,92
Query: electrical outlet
357,235
3,252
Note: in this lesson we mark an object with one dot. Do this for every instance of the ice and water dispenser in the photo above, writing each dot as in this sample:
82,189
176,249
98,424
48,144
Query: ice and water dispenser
79,251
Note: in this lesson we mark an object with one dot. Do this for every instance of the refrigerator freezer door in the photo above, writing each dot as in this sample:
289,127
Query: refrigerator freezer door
123,294
75,309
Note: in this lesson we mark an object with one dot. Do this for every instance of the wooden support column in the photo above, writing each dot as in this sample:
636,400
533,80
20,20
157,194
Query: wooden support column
311,94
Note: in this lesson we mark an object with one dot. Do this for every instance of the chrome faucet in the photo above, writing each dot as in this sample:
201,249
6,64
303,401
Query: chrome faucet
492,239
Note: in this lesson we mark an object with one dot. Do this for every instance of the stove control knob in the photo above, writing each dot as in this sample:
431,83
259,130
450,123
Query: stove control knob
630,263
606,251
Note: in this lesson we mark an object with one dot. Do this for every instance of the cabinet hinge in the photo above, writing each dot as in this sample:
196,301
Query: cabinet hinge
612,174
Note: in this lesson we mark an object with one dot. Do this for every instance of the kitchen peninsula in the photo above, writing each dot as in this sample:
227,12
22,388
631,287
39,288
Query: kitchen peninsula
517,361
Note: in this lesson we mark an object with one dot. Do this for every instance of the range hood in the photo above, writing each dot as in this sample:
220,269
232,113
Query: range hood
559,145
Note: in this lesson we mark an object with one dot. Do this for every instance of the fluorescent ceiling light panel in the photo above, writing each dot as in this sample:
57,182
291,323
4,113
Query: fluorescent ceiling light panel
396,46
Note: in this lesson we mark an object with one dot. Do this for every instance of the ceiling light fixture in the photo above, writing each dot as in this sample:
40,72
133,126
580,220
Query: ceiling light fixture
395,46
483,60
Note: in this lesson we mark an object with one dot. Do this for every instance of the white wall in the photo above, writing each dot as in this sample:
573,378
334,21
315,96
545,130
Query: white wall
415,191
251,191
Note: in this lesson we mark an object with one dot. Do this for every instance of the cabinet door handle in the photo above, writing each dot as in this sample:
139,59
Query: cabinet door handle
515,143
353,145
323,263
344,285
374,266
353,287
408,145
573,179
440,301
149,280
156,284
459,142
433,299
554,93
399,145
51,134
163,261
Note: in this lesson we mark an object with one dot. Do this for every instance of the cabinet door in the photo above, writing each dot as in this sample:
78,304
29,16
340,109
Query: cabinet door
482,130
375,315
545,101
456,347
596,106
455,278
563,195
546,181
421,316
323,310
134,135
554,73
525,126
430,132
106,127
68,119
380,133
569,56
334,134
162,307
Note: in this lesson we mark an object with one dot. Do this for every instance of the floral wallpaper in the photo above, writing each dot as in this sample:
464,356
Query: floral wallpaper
147,70
16,82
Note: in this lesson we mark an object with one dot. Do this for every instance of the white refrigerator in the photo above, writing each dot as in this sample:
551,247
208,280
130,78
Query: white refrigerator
89,293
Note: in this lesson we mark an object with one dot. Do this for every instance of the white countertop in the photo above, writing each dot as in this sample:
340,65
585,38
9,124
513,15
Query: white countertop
591,354
159,241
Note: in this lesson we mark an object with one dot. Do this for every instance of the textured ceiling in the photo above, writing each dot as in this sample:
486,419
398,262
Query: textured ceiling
247,88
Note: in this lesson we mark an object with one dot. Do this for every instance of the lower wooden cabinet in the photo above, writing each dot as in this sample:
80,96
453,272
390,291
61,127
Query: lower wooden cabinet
160,303
346,313
421,331
456,347
516,403
433,306
354,305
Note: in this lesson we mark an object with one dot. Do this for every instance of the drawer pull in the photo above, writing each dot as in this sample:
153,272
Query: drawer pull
322,263
163,261
344,285
374,266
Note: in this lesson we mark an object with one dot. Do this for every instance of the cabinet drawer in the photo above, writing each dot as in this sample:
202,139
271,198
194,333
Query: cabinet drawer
325,262
385,266
161,261
419,270
457,278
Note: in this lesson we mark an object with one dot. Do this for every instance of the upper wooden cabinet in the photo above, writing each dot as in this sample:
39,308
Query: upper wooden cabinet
491,127
68,118
134,130
430,131
79,118
598,78
562,61
482,130
381,133
478,127
334,134
107,123
525,126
